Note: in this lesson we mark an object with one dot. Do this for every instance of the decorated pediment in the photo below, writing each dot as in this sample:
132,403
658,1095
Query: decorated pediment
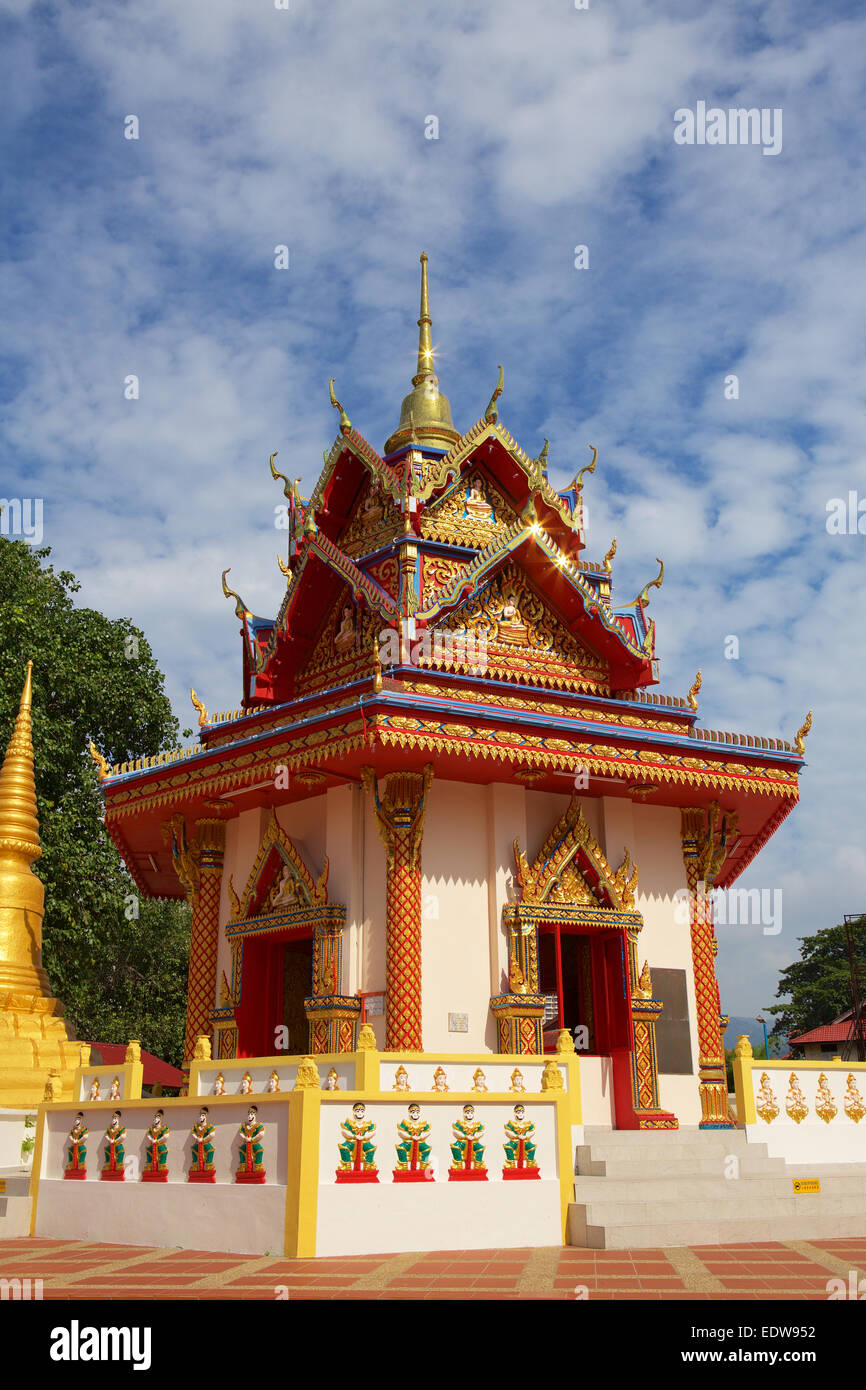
571,869
374,523
279,880
523,634
471,513
345,639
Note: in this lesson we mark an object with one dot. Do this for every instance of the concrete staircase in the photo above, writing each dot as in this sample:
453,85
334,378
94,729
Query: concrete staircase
638,1190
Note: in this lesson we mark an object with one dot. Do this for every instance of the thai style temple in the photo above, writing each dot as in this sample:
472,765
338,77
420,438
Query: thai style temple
451,804
452,967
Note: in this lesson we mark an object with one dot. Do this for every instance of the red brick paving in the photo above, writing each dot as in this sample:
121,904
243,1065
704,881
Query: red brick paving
764,1271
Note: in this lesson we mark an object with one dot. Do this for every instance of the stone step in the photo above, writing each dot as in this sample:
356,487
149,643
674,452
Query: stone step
638,1169
655,1235
662,1138
611,1212
725,1142
706,1188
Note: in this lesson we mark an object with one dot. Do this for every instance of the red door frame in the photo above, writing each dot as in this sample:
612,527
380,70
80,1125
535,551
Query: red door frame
261,1002
611,1004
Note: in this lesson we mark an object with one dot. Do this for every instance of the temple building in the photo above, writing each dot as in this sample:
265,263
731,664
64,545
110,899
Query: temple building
451,804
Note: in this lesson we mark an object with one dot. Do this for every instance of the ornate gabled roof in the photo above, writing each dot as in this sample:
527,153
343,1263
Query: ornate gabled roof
434,540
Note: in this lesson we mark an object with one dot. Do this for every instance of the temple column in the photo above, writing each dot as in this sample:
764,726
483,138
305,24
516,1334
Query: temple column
198,863
703,861
400,818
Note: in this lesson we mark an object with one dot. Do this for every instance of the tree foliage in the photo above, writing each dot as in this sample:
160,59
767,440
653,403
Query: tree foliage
93,678
819,982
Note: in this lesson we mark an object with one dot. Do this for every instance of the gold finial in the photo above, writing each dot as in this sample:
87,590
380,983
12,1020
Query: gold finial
643,596
802,733
345,422
542,457
284,568
744,1046
241,610
197,704
693,691
19,826
645,984
564,1041
577,480
102,768
491,414
609,556
425,415
425,345
377,666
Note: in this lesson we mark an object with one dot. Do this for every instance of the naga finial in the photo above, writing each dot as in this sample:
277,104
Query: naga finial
542,457
802,733
277,475
577,482
643,597
102,768
241,609
345,422
693,691
491,414
609,556
197,704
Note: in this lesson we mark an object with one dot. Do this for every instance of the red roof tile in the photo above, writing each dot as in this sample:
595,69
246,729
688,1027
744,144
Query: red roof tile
113,1054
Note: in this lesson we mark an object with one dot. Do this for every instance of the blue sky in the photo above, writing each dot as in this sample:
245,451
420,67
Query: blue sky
306,127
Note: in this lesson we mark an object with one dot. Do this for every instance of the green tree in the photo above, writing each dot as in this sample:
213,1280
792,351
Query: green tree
93,678
819,982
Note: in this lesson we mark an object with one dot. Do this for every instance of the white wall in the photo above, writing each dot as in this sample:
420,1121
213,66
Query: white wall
386,1217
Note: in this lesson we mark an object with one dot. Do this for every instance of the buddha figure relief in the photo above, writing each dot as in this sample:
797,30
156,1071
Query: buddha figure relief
371,512
345,638
284,892
477,505
509,628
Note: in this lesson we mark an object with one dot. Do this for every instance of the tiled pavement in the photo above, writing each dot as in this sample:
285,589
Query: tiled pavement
768,1270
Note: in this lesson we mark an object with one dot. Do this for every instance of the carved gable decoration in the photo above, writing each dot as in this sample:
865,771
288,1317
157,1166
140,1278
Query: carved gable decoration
524,635
438,573
571,869
471,513
374,523
345,639
387,575
279,879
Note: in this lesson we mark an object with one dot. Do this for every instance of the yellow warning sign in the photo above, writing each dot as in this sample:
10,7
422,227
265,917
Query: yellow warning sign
807,1184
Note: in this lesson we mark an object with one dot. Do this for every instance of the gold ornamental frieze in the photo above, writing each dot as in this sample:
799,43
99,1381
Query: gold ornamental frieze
766,1104
796,1106
852,1102
825,1105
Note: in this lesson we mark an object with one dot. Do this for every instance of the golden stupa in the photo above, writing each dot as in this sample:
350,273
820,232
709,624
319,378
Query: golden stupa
33,1039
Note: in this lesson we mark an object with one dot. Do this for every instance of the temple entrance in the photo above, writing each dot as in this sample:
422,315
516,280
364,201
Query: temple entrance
297,985
583,978
277,975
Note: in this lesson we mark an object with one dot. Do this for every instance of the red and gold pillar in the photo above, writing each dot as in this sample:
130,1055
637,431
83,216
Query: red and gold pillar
400,818
198,863
703,858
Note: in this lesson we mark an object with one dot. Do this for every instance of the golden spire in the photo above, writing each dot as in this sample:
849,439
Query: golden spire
425,345
19,827
425,415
